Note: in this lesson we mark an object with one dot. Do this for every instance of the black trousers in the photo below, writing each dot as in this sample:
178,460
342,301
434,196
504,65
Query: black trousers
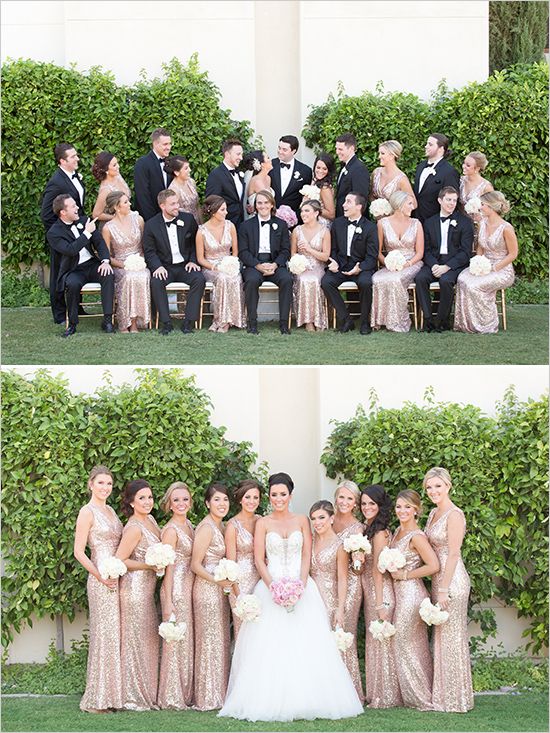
88,272
57,299
178,273
330,283
252,279
446,294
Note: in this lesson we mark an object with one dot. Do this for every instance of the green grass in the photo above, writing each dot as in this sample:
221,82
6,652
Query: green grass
30,337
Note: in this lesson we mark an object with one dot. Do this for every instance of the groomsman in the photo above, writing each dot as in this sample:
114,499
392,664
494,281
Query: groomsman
84,258
448,241
227,181
65,180
354,253
150,178
169,248
432,175
289,175
354,174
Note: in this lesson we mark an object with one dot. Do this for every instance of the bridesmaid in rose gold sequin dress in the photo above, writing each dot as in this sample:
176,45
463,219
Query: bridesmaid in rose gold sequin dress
473,185
139,641
388,178
452,685
239,543
329,562
106,170
99,527
176,666
381,683
184,186
412,650
210,604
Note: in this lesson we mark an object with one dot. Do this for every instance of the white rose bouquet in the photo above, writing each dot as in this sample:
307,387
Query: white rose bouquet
248,607
160,556
297,264
111,568
343,639
380,208
480,265
395,261
432,615
311,192
229,265
473,206
227,570
135,262
357,543
381,630
172,631
391,560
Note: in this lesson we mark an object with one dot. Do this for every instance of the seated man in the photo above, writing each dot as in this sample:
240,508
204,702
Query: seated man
264,249
353,256
84,259
169,248
448,241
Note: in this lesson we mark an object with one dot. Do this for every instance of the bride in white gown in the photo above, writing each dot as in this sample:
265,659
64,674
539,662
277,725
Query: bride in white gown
286,665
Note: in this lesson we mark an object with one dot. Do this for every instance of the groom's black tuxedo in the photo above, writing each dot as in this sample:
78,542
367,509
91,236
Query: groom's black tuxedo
301,176
354,177
427,203
148,183
220,182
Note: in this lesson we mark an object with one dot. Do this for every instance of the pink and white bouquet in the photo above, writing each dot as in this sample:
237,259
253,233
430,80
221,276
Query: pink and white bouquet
229,265
380,207
343,639
480,265
287,592
160,556
134,262
111,568
391,559
381,630
297,264
311,192
357,543
473,206
432,615
395,261
285,213
172,631
248,607
227,570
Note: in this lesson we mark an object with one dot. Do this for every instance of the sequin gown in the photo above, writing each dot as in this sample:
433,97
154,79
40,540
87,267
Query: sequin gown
119,185
384,192
187,196
351,613
476,308
249,576
176,667
139,640
452,684
413,660
308,298
228,294
381,684
103,678
464,197
390,297
132,287
324,573
212,638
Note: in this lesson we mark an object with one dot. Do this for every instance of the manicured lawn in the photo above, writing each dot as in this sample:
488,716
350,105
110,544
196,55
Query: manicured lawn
30,337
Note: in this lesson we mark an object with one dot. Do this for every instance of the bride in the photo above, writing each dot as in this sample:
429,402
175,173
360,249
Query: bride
286,665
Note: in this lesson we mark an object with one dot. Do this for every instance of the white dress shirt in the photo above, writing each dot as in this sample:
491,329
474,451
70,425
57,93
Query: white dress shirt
174,246
444,250
76,183
236,180
351,233
164,174
84,254
264,247
425,173
286,176
344,170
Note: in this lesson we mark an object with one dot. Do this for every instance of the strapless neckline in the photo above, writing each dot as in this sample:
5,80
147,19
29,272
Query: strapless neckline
281,536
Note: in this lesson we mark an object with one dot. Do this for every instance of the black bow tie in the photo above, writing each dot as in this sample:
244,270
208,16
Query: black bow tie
444,218
234,172
263,223
170,222
285,165
161,160
75,175
353,223
430,165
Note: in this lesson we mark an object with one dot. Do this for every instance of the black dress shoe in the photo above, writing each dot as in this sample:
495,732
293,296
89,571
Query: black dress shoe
365,330
68,331
107,326
428,328
187,326
347,325
252,328
166,328
284,329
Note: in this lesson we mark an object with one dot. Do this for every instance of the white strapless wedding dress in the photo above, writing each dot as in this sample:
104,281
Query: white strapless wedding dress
286,665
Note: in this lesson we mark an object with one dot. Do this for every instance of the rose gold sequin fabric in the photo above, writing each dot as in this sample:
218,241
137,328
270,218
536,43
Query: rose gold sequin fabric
412,650
249,576
103,678
139,628
308,298
187,196
464,197
384,192
476,308
176,666
324,572
212,639
452,685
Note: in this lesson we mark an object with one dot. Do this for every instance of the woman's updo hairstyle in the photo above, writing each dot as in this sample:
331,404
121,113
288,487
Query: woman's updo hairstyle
412,497
315,205
394,147
97,471
101,164
378,494
281,478
397,199
216,488
174,164
253,161
325,505
243,487
130,490
350,486
211,205
439,472
497,201
167,498
112,201
479,158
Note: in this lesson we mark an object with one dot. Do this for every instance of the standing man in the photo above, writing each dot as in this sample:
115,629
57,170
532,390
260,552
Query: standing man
65,180
432,175
289,175
448,241
354,174
150,178
227,181
353,256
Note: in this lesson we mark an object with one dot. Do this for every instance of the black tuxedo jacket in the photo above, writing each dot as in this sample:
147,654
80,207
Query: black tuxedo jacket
156,244
61,240
148,183
301,176
59,183
220,183
445,175
249,241
364,245
459,241
356,179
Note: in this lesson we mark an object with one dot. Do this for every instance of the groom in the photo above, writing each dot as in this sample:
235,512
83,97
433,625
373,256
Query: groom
227,181
289,175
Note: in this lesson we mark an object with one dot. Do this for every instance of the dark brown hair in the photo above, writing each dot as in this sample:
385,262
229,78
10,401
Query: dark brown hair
174,164
101,163
60,151
58,203
130,490
230,143
243,487
216,488
324,504
212,204
159,132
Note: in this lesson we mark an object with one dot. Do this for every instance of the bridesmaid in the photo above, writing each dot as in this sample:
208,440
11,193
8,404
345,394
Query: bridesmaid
176,667
390,295
412,650
324,170
452,686
107,171
472,184
183,185
210,606
381,684
312,240
347,499
99,527
259,162
388,178
216,239
139,642
329,562
239,542
123,236
476,309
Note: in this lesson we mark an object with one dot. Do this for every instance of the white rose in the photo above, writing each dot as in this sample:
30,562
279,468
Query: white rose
274,226
358,230
180,223
453,222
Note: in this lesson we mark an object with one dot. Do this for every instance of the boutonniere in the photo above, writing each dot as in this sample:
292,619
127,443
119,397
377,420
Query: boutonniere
180,223
358,230
275,226
453,222
433,172
297,174
80,226
241,174
345,171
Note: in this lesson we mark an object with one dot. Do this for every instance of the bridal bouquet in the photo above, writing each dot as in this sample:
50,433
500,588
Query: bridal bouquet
172,631
343,639
395,261
297,264
285,213
357,543
160,555
286,592
229,266
111,567
480,265
248,607
381,630
133,263
311,192
379,208
391,560
432,615
473,206
227,570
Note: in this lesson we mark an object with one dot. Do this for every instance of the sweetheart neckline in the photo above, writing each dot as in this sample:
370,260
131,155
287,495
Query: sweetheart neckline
281,536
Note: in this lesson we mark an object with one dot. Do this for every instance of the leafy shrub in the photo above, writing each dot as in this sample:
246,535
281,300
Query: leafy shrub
22,290
524,291
491,672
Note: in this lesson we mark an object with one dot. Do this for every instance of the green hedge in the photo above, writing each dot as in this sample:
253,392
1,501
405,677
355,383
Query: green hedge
499,469
506,117
44,104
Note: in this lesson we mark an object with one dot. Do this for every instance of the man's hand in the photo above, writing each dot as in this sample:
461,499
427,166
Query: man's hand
332,265
105,268
356,270
438,270
192,267
90,226
161,273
